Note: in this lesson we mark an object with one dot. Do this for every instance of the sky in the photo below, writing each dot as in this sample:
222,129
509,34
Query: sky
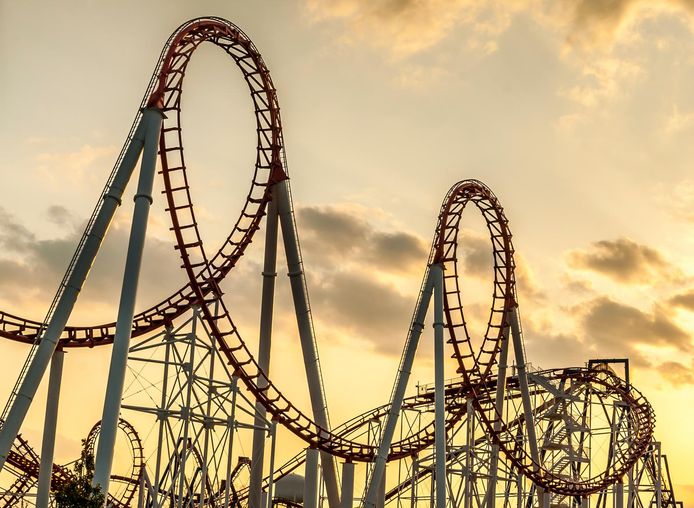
577,114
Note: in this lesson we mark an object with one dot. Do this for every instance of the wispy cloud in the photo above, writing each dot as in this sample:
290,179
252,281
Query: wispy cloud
406,27
616,327
76,166
676,373
624,261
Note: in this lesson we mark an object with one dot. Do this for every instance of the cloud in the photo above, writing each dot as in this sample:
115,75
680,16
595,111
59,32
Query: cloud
678,200
60,216
624,261
407,27
336,234
677,121
600,80
475,255
618,329
358,304
595,23
683,300
14,237
34,266
352,267
77,165
548,350
676,373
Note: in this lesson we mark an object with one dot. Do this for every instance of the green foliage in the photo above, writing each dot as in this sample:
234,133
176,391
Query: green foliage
79,492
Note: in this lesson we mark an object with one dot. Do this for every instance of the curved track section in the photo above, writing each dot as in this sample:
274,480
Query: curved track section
476,366
129,482
25,460
205,271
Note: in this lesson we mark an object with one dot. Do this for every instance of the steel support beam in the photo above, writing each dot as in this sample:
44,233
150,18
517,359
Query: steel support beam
266,313
499,408
347,493
271,474
152,119
306,332
619,494
311,479
68,293
381,500
436,272
523,383
398,394
50,425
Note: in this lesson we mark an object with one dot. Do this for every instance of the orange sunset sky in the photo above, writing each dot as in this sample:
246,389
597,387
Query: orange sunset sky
579,114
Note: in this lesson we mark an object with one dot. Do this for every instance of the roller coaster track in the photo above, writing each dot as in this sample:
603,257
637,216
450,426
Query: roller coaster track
26,462
205,272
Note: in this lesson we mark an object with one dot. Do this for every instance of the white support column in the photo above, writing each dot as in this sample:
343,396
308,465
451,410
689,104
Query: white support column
381,501
231,426
499,406
347,493
163,412
50,425
309,347
523,383
311,479
469,449
271,474
659,476
436,271
152,119
67,296
398,394
265,342
187,409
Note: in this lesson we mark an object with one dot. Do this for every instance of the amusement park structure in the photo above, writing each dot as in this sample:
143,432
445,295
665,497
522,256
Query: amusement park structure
500,434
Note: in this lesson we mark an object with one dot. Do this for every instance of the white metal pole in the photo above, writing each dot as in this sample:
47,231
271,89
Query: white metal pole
152,119
403,377
659,477
381,501
186,411
163,415
499,406
436,271
525,391
469,448
347,494
271,476
306,332
266,313
231,425
49,429
68,295
311,479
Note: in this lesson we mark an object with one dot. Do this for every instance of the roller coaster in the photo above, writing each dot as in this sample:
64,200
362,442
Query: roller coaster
501,433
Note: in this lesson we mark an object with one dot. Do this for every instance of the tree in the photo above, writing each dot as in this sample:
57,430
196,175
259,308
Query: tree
78,492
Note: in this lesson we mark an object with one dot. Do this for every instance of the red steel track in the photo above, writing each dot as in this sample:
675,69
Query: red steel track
26,462
205,272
